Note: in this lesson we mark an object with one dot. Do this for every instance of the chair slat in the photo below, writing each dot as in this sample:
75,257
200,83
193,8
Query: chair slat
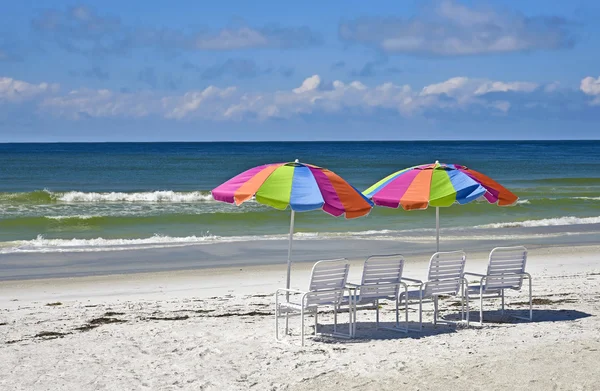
504,263
381,276
331,274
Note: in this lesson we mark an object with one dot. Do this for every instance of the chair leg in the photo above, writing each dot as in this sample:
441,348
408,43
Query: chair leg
276,317
464,293
480,308
420,313
399,299
351,330
467,301
352,315
406,313
316,321
530,301
354,311
435,310
376,314
334,320
287,322
397,313
502,295
302,324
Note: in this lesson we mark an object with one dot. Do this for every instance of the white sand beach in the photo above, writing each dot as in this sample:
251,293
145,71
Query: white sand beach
213,329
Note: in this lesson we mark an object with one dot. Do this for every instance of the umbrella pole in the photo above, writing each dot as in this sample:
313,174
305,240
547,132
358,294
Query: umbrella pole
437,229
289,260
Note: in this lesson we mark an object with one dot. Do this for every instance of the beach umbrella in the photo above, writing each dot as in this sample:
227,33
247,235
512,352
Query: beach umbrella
437,185
299,186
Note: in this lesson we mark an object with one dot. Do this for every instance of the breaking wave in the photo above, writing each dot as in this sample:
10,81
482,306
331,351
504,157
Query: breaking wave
47,197
567,220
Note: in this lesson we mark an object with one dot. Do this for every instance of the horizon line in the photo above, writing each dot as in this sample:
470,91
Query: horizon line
289,141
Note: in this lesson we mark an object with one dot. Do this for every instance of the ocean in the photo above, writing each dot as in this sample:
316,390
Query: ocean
85,197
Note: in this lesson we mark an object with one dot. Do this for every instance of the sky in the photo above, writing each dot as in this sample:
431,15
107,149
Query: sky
287,70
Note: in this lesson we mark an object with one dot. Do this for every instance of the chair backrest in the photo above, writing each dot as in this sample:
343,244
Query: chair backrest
327,281
445,273
381,277
506,268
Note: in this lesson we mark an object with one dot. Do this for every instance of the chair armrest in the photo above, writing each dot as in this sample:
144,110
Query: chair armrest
412,280
511,274
474,274
288,290
524,275
315,293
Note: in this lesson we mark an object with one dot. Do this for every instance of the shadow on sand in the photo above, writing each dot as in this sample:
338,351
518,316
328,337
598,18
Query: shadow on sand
490,317
366,331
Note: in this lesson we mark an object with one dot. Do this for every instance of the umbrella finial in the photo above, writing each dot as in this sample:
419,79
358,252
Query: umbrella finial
437,162
296,161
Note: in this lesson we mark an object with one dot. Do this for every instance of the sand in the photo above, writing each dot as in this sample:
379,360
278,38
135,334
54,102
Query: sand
213,329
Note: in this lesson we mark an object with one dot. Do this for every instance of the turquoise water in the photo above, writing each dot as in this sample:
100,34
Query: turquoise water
56,197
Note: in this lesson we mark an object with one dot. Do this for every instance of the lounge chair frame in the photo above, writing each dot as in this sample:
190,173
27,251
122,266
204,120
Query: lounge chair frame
506,270
381,280
326,289
444,278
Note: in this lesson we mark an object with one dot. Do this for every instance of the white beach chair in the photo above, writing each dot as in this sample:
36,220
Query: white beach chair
326,289
445,278
381,280
506,270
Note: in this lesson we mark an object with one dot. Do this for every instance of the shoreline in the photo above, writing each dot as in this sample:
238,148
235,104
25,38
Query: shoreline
241,279
25,266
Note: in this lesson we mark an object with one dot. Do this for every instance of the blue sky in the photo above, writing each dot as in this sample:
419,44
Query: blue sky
327,70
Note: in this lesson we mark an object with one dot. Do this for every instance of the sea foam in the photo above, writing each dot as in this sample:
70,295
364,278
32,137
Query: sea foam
567,220
41,244
154,196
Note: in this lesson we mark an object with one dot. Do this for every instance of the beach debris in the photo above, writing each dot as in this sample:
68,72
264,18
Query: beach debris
50,334
86,327
54,304
182,317
544,301
105,320
251,313
111,313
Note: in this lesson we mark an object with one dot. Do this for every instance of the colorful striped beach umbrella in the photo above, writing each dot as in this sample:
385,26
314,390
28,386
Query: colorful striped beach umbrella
437,185
299,186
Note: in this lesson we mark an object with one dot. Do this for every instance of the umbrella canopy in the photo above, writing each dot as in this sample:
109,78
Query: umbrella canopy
437,185
299,186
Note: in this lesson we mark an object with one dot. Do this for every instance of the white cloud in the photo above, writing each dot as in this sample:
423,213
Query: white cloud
211,103
448,87
591,86
16,91
502,105
451,28
498,86
551,87
313,96
215,103
309,84
98,103
465,92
